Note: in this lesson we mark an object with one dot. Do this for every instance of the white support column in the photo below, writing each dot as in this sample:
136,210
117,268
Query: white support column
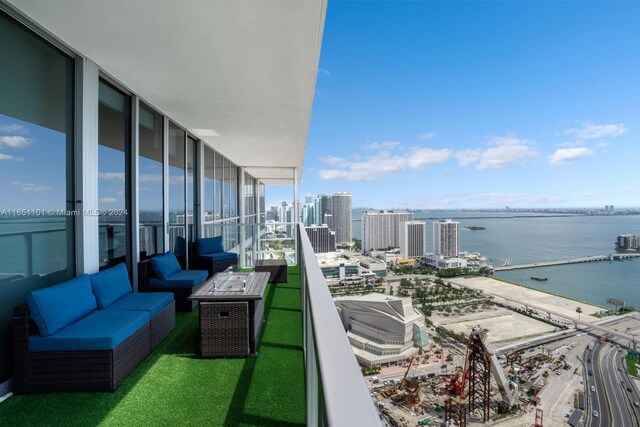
134,211
86,166
200,171
243,218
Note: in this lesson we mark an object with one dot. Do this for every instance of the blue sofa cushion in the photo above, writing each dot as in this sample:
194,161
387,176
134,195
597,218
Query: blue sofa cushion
210,245
221,256
100,330
110,285
187,278
152,302
165,265
57,306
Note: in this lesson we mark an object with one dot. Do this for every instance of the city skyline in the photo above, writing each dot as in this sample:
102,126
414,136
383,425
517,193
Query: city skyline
524,104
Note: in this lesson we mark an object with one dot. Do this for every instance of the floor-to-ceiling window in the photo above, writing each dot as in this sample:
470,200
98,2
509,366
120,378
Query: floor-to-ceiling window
191,183
114,115
36,171
176,196
208,184
150,194
217,186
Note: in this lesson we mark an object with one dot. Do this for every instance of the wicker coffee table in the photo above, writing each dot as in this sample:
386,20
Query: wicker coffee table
277,268
231,316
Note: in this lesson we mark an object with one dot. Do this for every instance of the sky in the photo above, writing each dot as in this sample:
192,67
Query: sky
484,104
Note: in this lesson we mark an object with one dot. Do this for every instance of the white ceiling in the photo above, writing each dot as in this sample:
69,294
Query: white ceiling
244,68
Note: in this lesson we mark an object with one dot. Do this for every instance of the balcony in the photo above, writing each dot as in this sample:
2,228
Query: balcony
304,374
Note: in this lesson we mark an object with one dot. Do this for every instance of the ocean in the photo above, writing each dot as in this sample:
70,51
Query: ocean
533,239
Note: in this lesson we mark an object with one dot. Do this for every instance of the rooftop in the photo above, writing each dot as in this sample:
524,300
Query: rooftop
173,386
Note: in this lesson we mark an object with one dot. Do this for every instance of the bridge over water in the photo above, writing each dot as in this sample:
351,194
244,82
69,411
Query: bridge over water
609,257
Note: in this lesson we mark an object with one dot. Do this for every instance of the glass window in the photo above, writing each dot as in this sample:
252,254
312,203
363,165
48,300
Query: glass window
36,171
177,217
226,188
113,140
208,183
150,199
190,187
217,186
233,190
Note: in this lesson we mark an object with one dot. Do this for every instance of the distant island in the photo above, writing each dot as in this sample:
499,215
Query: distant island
475,228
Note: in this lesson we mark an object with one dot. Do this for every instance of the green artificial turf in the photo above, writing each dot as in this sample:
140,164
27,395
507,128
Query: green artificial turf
173,386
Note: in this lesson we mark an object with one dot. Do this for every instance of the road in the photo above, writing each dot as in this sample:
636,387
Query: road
611,398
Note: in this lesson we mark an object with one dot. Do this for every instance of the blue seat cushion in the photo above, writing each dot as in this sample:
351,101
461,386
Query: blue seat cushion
100,330
58,306
153,302
110,285
209,245
187,278
221,256
165,265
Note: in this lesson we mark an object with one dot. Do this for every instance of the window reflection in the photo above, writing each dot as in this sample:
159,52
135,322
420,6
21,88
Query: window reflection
150,200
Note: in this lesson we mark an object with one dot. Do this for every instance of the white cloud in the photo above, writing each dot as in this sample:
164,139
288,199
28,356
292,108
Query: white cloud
566,155
324,71
14,141
428,135
503,151
111,176
12,128
588,194
31,187
381,164
108,200
8,157
603,144
589,131
384,145
468,157
150,178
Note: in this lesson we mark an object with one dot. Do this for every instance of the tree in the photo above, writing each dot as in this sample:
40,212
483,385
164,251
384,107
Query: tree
579,311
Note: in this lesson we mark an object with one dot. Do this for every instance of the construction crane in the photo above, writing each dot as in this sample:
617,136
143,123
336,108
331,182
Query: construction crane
410,396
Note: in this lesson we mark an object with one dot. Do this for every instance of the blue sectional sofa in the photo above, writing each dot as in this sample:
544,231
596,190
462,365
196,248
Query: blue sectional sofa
209,254
87,333
163,273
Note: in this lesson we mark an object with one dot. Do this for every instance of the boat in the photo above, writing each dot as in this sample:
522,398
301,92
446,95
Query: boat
505,262
539,278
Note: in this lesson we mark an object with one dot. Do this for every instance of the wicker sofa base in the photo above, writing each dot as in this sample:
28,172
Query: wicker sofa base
162,324
97,370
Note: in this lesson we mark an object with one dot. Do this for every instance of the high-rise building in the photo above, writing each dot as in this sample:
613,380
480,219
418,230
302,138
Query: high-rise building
326,208
413,239
446,238
308,214
342,217
380,229
328,220
322,239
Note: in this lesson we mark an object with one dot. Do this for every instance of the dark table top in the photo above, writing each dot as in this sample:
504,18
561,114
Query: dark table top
253,290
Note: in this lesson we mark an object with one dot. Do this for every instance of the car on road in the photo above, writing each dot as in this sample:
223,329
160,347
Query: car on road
593,388
595,414
636,404
590,373
431,375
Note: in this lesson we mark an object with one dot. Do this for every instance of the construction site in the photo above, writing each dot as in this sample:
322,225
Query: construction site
487,387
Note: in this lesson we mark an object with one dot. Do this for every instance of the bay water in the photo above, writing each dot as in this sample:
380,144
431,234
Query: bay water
532,238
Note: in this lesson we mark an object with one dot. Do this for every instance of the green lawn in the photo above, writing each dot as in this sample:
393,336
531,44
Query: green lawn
173,386
631,366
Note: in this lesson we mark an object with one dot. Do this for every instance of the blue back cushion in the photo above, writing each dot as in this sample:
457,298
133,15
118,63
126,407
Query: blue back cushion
60,305
165,265
110,285
210,245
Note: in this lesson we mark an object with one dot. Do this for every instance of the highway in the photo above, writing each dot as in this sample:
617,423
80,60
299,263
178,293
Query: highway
611,398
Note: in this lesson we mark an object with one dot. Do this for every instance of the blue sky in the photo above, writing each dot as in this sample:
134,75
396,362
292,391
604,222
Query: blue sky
427,104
